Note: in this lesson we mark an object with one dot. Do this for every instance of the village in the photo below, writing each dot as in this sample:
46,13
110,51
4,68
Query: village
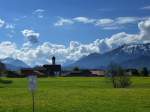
56,70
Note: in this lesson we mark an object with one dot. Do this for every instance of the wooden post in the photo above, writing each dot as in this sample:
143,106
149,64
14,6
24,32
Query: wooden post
33,102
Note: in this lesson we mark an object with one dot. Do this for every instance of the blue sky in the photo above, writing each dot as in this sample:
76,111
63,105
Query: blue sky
11,9
62,21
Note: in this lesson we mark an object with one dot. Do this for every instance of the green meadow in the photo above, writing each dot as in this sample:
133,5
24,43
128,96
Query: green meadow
75,94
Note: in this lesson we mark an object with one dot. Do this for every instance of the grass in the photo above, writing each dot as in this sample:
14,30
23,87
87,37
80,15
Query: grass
76,94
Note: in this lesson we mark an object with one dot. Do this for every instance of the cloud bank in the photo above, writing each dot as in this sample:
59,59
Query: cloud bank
42,53
104,23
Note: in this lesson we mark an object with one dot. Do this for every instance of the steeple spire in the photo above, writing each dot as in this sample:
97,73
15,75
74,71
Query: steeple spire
53,60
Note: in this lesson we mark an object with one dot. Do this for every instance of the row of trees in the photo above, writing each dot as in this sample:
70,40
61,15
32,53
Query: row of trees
2,68
120,77
2,71
140,72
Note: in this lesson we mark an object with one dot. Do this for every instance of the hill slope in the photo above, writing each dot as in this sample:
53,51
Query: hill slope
133,55
14,64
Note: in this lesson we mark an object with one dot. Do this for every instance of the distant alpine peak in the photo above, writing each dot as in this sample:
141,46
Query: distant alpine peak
135,48
14,64
9,59
128,56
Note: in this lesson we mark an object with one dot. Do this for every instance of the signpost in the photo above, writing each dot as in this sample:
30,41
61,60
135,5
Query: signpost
32,88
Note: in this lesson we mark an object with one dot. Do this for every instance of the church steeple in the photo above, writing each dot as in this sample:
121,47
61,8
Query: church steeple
53,60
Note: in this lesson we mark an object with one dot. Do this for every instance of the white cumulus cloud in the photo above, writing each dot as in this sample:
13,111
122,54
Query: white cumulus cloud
105,21
2,23
83,20
127,20
63,21
7,49
146,7
39,13
31,35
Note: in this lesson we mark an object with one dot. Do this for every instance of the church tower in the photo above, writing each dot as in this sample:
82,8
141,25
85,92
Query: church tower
53,69
53,60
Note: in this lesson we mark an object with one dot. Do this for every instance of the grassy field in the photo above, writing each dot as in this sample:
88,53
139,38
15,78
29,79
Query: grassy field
76,95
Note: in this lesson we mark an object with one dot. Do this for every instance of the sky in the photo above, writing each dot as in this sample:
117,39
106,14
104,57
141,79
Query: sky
35,30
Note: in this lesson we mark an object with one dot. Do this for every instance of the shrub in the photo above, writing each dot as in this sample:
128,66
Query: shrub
5,81
118,76
14,74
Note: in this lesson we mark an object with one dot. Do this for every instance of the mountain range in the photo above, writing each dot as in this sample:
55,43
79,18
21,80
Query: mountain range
14,64
128,56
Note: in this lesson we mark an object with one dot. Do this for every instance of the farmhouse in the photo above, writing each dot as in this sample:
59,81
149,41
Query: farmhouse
85,73
97,72
79,73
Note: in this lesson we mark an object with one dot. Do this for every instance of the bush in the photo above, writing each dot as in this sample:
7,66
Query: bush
118,76
5,81
14,74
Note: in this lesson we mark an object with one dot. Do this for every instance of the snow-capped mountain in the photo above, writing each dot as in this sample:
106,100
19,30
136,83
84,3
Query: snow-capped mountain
14,64
136,49
131,55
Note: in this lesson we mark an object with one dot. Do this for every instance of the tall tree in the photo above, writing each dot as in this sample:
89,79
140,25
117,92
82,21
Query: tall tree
2,68
144,72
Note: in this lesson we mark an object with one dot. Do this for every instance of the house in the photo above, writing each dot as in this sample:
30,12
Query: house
81,73
27,71
98,72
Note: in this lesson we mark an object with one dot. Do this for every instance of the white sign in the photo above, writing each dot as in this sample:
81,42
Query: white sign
32,83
